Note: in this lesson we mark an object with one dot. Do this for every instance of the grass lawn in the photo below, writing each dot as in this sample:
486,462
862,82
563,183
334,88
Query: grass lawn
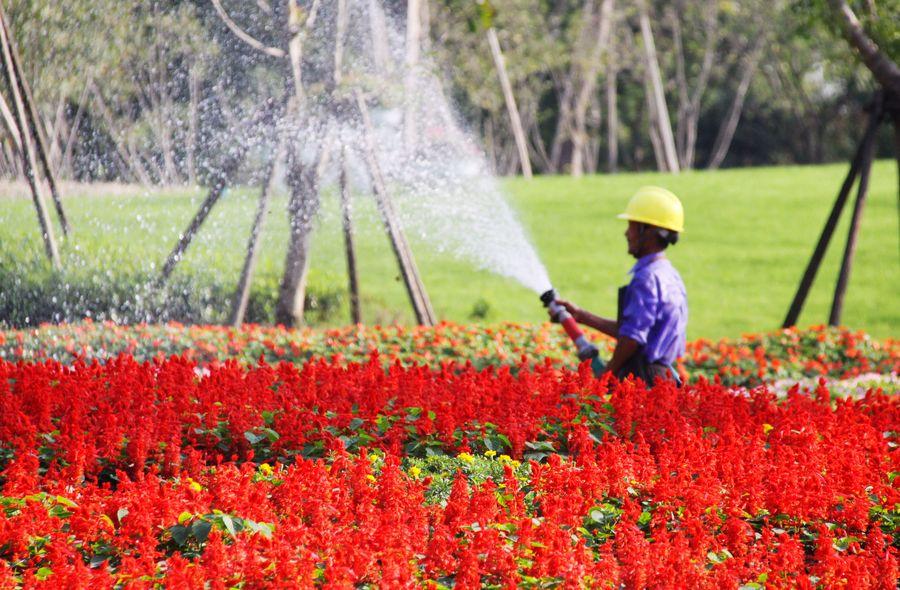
749,234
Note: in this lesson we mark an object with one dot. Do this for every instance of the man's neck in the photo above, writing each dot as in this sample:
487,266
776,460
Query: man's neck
648,250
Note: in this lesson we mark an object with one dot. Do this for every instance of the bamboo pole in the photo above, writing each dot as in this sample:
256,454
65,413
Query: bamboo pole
347,222
242,295
29,160
815,261
34,122
9,121
515,119
840,289
411,278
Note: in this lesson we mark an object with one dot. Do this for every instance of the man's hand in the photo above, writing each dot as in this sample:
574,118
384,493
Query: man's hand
573,309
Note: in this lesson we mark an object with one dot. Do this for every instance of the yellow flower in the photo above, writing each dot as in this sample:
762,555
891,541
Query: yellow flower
767,428
415,472
371,478
505,459
466,457
194,485
265,469
490,453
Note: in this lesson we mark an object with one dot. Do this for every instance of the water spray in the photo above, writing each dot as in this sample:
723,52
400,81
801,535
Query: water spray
560,314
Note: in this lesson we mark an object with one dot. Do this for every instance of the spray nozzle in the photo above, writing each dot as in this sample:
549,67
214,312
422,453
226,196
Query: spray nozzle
560,314
548,297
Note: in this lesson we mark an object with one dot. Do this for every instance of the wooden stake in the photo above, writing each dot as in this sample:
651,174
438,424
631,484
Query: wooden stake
216,190
29,160
837,305
815,261
347,219
9,121
242,295
413,281
34,121
212,197
515,120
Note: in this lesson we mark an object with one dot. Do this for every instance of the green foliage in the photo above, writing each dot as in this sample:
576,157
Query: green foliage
879,20
477,469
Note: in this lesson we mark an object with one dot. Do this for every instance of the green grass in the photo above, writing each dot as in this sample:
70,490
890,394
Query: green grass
749,234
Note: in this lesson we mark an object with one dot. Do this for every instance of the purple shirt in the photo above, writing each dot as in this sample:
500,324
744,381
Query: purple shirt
655,309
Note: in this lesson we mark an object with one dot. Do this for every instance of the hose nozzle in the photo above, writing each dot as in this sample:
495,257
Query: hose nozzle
560,314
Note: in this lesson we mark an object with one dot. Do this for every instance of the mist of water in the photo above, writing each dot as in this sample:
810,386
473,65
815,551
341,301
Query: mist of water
441,184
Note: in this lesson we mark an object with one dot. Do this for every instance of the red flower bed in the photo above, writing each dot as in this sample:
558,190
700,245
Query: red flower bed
344,475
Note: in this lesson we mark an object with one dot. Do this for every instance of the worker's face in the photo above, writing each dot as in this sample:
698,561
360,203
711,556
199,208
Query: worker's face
633,236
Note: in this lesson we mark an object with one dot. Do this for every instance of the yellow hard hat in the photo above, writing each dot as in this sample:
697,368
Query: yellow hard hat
655,206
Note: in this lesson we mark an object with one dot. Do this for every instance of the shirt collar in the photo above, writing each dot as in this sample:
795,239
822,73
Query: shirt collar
645,261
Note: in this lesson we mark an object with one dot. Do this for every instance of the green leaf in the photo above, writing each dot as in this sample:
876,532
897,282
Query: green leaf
66,502
229,524
184,517
43,573
540,445
180,534
200,529
253,438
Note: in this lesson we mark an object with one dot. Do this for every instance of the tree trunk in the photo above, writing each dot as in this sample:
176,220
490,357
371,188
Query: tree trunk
588,84
689,101
726,132
302,209
657,96
425,28
564,119
381,52
340,35
303,179
612,119
413,40
515,121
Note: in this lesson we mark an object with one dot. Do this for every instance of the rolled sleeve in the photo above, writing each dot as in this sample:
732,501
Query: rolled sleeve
639,314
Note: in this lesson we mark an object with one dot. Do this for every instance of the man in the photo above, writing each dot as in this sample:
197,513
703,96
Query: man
652,316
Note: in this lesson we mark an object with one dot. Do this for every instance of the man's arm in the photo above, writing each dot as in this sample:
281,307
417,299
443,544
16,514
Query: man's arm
605,325
625,349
